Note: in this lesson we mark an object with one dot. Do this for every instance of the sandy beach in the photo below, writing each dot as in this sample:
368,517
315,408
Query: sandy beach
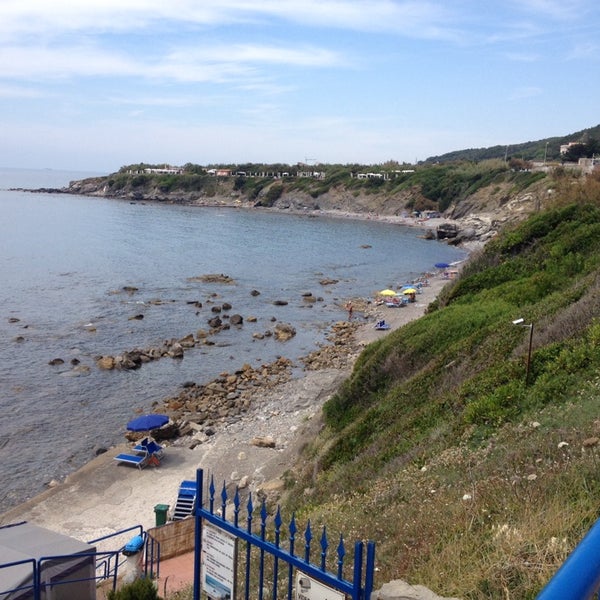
104,497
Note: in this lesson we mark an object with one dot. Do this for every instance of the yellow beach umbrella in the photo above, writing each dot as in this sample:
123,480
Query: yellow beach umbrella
387,293
410,291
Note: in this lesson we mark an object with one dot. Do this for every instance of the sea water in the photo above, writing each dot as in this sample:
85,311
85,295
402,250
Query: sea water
65,264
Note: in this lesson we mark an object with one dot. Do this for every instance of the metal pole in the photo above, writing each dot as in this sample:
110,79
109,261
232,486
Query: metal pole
198,533
529,355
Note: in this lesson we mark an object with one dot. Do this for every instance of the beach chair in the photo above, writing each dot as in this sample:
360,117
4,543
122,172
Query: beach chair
186,500
132,459
149,447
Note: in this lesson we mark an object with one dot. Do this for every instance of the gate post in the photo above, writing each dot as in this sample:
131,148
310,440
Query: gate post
198,532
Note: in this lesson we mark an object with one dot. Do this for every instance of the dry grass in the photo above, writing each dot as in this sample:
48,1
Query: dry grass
476,521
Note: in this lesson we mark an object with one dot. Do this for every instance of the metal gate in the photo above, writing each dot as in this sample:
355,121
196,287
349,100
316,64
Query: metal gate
251,553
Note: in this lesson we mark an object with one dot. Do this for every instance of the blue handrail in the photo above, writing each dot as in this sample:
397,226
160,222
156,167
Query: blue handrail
579,576
138,528
34,577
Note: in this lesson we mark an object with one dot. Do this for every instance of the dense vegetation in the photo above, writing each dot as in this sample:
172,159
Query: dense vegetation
472,480
539,150
427,187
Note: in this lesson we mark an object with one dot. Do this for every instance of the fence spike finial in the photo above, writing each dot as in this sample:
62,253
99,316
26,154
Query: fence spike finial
307,538
324,546
341,552
223,500
236,506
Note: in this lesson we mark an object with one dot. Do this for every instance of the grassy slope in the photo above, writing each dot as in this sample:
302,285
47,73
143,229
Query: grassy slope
470,481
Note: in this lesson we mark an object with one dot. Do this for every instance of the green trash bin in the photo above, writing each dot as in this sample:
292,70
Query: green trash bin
160,511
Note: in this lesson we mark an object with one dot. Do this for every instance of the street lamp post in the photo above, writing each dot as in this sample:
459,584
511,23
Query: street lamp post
528,367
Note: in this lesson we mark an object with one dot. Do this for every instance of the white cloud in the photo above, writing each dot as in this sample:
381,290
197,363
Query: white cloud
43,62
254,53
216,64
411,18
56,17
244,76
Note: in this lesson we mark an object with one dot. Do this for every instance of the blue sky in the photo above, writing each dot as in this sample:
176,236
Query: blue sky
97,84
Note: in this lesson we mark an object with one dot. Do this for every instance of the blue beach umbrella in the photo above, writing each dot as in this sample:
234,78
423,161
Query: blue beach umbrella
147,422
442,265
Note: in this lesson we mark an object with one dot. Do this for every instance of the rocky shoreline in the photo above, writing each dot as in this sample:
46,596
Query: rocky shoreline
198,411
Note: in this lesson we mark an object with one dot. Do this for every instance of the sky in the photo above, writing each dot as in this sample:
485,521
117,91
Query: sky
98,84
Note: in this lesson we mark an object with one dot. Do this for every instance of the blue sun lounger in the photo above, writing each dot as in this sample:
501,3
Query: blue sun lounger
149,447
132,459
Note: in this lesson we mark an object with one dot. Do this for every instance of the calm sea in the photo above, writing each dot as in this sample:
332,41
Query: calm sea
64,261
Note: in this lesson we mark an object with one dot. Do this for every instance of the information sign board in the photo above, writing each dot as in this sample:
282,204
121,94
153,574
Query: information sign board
218,574
308,588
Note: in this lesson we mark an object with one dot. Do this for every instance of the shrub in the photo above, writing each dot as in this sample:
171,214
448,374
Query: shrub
140,180
496,407
140,589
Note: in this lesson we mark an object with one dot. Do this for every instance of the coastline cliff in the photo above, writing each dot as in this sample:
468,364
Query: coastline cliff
472,204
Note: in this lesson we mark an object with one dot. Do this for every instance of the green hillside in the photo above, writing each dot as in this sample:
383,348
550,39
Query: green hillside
548,148
472,480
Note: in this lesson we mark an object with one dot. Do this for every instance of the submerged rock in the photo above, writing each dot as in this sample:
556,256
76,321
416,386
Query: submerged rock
284,332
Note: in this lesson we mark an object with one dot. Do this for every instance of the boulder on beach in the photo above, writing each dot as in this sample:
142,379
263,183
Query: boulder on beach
211,278
176,350
215,322
284,332
187,341
106,362
263,442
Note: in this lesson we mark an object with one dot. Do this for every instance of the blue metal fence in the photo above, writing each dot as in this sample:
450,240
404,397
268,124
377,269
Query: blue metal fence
107,567
357,588
36,589
22,588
